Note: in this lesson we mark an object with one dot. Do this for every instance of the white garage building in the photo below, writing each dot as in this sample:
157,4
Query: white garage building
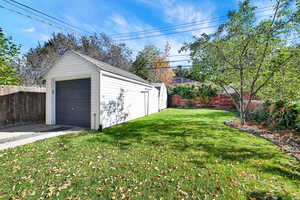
83,91
162,95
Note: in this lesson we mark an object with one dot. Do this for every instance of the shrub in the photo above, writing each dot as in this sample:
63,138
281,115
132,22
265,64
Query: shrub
189,91
279,115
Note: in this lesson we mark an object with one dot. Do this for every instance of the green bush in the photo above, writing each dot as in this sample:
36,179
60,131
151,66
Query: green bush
278,115
189,91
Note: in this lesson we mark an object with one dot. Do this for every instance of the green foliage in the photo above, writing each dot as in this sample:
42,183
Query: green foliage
189,91
8,52
285,83
245,52
278,115
8,76
195,73
143,61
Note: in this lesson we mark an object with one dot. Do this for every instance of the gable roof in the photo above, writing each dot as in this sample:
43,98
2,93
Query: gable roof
109,68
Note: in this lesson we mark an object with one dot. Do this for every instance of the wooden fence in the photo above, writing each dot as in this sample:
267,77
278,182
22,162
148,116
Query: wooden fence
21,105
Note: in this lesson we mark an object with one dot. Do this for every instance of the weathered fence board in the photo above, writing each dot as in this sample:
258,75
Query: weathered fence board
22,106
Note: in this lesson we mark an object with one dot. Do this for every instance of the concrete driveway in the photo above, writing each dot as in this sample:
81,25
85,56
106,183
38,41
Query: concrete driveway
25,134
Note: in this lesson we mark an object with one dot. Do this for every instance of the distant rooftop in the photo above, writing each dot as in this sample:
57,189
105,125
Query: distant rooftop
177,80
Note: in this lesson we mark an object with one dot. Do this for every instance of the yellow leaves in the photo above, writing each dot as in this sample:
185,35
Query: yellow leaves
65,185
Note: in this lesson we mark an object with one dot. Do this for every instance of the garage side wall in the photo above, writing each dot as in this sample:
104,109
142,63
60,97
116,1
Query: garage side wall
153,101
71,67
163,98
121,99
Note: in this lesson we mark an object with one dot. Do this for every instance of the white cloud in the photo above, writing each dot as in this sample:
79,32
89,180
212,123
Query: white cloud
120,24
119,20
44,37
176,12
29,30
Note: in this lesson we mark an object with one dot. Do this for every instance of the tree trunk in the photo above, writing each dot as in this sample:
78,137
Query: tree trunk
242,113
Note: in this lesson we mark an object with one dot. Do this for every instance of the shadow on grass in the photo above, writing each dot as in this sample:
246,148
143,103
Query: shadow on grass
197,131
285,172
263,195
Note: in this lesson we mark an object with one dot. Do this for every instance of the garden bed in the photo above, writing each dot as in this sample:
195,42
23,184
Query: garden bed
287,140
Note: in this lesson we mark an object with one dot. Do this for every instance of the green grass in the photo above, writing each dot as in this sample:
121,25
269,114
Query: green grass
176,154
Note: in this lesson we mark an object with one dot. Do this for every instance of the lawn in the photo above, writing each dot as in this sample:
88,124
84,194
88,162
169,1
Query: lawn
175,154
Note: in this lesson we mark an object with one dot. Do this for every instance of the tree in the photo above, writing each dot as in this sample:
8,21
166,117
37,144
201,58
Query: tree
194,73
39,59
152,65
143,61
8,52
285,83
161,68
244,54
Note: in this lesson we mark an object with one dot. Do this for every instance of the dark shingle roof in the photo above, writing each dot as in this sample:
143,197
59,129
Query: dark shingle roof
106,67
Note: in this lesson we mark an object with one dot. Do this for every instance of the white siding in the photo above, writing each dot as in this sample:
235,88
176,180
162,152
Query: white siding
163,97
114,98
121,100
153,100
71,66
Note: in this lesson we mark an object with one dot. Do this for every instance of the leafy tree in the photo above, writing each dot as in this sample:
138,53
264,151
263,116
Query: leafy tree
161,71
244,54
39,59
152,65
194,73
143,61
8,52
285,83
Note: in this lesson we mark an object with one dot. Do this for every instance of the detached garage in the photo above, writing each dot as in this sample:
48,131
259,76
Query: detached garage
162,95
83,91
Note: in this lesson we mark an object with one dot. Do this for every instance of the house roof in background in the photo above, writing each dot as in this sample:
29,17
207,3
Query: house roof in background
177,80
109,68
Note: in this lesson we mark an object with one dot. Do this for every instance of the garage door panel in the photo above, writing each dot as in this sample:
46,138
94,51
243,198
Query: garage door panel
73,102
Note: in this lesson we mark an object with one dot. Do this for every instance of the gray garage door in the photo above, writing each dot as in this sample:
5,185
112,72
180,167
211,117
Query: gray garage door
73,102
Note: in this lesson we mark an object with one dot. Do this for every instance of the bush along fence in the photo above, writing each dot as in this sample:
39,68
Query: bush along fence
276,115
194,96
19,105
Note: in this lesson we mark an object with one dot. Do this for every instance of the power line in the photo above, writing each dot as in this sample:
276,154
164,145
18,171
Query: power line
164,61
179,55
170,67
169,33
118,35
47,15
33,18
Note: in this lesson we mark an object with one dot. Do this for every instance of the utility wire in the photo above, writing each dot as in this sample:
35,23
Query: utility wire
47,15
34,18
40,19
169,61
169,33
262,9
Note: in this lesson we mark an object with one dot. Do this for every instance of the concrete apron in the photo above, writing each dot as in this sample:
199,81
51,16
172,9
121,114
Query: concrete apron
21,135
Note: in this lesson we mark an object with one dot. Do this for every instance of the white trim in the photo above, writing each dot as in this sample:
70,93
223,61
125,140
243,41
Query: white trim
112,75
95,110
100,96
66,78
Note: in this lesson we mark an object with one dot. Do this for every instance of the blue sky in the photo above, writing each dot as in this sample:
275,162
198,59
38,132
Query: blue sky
117,16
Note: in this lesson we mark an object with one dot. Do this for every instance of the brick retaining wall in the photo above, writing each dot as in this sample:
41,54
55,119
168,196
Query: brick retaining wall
221,101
